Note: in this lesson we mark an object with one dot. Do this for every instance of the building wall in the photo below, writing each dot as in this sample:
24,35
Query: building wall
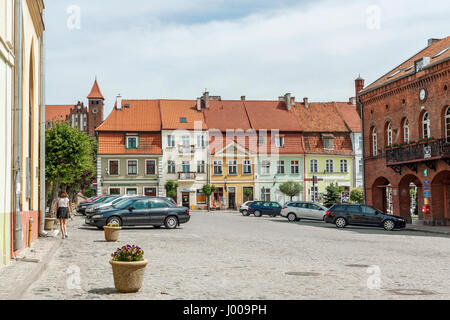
6,103
358,170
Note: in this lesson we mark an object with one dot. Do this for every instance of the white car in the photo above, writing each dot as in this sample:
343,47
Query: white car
244,208
108,203
295,211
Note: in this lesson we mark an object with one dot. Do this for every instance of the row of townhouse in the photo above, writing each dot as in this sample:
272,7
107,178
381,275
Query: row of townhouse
246,149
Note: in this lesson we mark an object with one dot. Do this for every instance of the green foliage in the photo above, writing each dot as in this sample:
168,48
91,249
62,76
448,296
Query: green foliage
357,195
128,254
172,194
248,192
291,189
171,185
332,195
208,189
89,192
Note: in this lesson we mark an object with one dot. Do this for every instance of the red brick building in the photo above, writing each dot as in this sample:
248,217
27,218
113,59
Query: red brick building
406,129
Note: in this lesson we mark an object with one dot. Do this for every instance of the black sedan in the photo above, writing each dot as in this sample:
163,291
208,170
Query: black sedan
141,211
342,215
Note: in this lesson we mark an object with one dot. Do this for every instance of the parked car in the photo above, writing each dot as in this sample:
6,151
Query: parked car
343,215
91,199
107,203
244,208
260,208
140,211
295,211
82,206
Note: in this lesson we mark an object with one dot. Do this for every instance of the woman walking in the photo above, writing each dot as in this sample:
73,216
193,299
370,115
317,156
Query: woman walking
63,212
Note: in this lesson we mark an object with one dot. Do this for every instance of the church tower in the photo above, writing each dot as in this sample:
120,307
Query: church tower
96,102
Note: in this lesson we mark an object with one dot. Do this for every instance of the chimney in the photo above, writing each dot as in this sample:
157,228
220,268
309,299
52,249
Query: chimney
242,98
199,104
359,86
287,100
119,102
206,99
352,101
432,41
305,102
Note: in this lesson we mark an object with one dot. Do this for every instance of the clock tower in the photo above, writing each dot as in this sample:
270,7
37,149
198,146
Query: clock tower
96,102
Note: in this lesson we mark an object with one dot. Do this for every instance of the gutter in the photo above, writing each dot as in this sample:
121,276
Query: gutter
361,107
18,124
43,191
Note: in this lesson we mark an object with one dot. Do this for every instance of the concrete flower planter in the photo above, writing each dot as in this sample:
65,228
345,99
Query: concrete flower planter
49,223
111,233
128,276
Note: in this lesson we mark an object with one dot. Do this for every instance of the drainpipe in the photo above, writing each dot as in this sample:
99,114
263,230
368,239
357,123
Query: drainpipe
361,107
18,124
43,190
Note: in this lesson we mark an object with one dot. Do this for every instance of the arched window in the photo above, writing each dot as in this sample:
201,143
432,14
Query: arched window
426,130
374,142
406,131
447,125
389,134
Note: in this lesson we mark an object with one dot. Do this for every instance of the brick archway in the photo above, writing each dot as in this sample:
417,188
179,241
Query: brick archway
379,194
405,196
440,201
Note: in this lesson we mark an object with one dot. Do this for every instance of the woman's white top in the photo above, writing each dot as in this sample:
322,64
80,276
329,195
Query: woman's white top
63,202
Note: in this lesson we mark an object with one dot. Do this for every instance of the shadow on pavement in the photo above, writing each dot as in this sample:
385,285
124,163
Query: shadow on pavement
103,291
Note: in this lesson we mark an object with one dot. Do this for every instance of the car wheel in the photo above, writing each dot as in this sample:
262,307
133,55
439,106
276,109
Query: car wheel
340,223
114,219
324,217
258,213
292,217
245,213
388,225
171,222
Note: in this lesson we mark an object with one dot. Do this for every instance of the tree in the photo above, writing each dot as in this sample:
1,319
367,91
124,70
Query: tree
357,195
171,189
291,189
208,190
69,160
248,192
332,195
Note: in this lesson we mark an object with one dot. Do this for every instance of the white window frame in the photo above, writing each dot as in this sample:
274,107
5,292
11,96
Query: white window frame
169,165
201,141
186,163
156,169
185,139
201,164
148,187
389,134
109,167
325,146
170,141
329,164
247,165
137,168
109,190
232,164
314,193
281,164
127,141
374,142
279,142
265,167
406,131
344,165
426,126
218,164
128,188
313,166
295,164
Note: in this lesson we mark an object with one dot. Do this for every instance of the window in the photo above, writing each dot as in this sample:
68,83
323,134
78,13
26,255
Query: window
132,142
232,167
201,141
150,167
158,204
406,131
344,166
201,166
280,167
315,193
374,142
426,130
150,191
114,191
217,164
132,167
361,165
183,120
186,140
329,168
170,141
265,164
247,167
369,210
201,197
314,166
279,142
389,134
186,165
131,191
447,125
171,166
113,167
295,167
328,143
265,194
260,139
141,204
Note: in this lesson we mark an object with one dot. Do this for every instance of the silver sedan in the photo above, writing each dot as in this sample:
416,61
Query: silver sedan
295,211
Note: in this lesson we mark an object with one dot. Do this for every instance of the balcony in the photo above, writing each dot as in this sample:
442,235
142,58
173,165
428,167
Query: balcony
187,176
186,149
410,156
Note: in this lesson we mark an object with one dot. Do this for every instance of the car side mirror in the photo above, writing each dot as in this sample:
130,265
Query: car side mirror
130,209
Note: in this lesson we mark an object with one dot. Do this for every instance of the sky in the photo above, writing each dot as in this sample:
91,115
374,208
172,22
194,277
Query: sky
175,49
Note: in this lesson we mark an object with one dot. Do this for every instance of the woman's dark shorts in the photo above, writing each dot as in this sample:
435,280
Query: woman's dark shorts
63,213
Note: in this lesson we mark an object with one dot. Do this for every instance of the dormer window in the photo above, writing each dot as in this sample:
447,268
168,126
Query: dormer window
279,142
328,141
132,141
183,120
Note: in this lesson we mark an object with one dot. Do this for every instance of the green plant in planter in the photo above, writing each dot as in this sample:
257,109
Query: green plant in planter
128,254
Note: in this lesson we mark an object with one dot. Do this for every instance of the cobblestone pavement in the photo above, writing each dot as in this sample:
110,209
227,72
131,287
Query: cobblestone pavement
228,256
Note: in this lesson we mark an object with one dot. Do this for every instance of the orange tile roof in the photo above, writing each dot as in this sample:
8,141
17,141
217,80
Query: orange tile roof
57,112
342,144
320,117
95,92
114,143
271,115
223,115
350,115
140,116
173,110
407,67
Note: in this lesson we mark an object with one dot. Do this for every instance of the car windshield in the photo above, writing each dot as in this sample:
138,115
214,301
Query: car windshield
102,199
123,204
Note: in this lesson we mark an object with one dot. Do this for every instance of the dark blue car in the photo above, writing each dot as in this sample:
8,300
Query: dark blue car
261,208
